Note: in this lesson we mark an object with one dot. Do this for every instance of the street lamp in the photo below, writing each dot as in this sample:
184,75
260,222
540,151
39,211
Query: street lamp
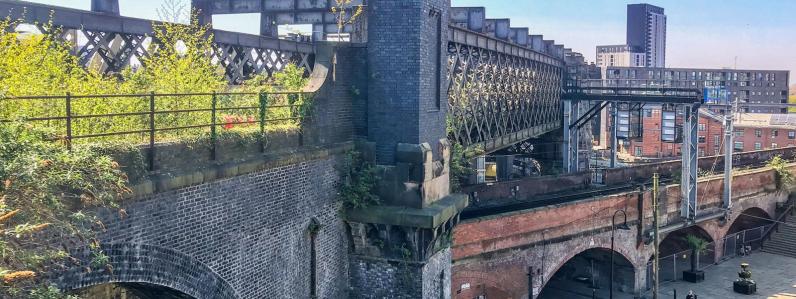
622,226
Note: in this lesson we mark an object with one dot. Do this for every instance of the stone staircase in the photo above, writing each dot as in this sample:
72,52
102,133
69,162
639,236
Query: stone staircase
783,241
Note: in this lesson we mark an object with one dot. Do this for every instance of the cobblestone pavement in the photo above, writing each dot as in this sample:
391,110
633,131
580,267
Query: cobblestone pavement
775,276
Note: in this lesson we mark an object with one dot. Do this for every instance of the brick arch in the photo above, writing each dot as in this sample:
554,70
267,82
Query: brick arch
751,214
148,264
578,249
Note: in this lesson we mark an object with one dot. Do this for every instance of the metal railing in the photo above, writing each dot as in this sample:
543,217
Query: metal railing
786,212
672,266
154,117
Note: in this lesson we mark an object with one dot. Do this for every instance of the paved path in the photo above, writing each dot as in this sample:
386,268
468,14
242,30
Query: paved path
775,276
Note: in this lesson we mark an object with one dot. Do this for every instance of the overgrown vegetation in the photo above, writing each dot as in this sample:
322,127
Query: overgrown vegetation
48,196
358,181
784,178
38,64
460,168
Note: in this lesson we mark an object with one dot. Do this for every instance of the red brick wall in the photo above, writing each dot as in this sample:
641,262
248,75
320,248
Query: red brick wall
493,253
712,130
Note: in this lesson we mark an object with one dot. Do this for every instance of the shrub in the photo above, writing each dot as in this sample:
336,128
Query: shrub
47,201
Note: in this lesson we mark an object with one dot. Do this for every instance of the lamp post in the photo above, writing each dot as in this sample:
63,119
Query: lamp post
622,226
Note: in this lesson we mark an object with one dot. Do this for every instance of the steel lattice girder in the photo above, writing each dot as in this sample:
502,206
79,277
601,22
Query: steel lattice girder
115,51
113,42
497,99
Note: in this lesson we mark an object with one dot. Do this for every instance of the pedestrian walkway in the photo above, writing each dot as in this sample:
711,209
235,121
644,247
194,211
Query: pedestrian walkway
775,276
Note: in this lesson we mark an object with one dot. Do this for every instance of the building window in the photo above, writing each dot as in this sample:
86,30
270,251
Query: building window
739,133
639,151
716,140
758,133
774,133
648,112
791,134
774,145
702,139
738,145
758,146
701,127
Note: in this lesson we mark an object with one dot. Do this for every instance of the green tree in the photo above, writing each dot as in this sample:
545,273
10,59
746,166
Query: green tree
48,199
698,246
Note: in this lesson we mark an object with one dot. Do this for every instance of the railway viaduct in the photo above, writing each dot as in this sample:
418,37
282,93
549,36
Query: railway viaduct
249,224
494,248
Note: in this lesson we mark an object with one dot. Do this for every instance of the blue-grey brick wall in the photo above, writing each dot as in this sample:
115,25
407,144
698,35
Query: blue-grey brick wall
382,278
250,231
404,37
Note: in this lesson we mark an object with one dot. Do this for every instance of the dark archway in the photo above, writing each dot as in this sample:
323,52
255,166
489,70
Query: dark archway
588,272
675,253
129,290
147,271
749,219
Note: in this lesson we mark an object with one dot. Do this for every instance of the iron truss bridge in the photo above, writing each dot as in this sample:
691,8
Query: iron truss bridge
111,43
500,93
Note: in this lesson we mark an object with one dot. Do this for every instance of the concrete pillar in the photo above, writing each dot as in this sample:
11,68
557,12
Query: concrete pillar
268,26
399,248
407,61
640,281
110,7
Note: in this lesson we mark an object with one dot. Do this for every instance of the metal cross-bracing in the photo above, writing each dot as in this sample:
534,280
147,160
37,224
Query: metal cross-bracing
112,43
499,93
598,97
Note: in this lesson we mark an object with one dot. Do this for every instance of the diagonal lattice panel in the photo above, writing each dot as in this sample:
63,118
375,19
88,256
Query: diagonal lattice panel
497,98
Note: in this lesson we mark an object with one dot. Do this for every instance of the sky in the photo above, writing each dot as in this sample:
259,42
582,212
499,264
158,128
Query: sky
700,33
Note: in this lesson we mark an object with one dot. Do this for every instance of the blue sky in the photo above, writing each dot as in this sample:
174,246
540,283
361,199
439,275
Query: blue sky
701,33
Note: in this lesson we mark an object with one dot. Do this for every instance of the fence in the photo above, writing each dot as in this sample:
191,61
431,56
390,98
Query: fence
672,266
150,118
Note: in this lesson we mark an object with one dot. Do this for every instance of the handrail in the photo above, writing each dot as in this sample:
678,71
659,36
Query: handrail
148,119
775,227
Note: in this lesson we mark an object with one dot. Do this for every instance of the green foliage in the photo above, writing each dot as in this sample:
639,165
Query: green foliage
697,244
179,63
460,168
48,197
291,78
784,177
359,179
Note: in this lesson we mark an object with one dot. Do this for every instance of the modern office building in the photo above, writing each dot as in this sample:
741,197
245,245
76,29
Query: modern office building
621,55
754,87
646,29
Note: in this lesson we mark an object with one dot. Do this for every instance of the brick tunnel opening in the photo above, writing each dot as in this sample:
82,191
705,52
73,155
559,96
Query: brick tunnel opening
589,273
128,290
751,218
675,253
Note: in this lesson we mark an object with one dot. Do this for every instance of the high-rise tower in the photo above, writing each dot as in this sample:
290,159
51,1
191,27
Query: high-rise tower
646,28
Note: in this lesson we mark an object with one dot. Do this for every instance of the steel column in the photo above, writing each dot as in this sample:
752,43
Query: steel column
570,146
728,151
689,150
614,131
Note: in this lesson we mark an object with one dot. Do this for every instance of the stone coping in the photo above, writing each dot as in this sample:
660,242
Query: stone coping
171,181
430,217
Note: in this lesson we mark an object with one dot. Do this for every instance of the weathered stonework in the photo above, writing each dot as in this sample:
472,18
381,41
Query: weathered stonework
242,237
